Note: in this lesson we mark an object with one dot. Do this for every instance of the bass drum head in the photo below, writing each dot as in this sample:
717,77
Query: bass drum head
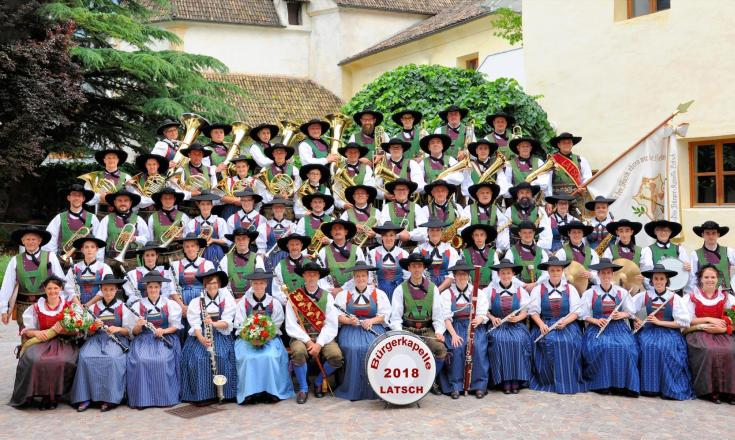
400,367
681,280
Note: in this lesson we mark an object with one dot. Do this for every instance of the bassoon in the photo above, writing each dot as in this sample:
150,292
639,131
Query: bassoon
471,334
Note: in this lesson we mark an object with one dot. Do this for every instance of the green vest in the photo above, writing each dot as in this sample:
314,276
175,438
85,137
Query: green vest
570,255
486,273
451,213
113,231
290,279
615,249
353,218
560,177
66,232
158,228
723,266
415,148
370,146
493,215
525,275
287,171
359,178
337,269
417,310
518,175
318,154
216,159
457,144
237,274
658,254
307,224
430,174
29,282
397,219
205,173
517,220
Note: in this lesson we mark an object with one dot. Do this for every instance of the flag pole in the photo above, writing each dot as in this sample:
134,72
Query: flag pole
681,108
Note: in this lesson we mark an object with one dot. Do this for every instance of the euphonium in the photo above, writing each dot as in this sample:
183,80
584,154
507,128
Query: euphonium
124,239
152,184
546,167
459,166
449,234
498,163
341,180
193,125
205,231
68,247
383,172
98,183
239,131
361,238
339,123
171,233
291,134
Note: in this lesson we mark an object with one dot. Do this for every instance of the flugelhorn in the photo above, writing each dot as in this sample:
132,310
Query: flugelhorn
546,167
172,232
193,125
124,239
68,248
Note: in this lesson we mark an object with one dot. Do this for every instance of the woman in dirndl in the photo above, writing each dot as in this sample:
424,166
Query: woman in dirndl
710,342
663,361
557,356
185,271
610,360
209,225
45,369
196,367
364,308
153,366
509,344
102,362
278,226
262,372
458,305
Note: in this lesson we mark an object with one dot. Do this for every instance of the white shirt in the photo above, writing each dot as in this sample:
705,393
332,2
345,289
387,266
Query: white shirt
307,154
437,310
96,266
194,311
258,155
545,238
128,319
6,291
586,310
262,240
142,233
680,312
301,225
383,302
241,313
418,233
139,272
161,147
54,228
646,261
535,307
481,306
222,226
329,328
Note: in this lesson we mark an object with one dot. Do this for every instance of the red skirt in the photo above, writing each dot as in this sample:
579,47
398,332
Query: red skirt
45,370
712,361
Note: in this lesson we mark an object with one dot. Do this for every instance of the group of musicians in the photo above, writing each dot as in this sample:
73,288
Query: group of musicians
471,245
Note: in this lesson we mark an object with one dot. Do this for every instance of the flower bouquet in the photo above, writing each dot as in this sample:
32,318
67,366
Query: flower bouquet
258,329
73,319
729,317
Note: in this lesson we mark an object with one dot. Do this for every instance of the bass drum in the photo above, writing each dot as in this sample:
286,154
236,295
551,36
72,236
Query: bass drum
681,280
400,367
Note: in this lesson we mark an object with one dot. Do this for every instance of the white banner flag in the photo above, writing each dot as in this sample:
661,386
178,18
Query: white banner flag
644,182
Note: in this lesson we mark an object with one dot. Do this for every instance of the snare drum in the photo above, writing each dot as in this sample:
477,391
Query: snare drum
400,367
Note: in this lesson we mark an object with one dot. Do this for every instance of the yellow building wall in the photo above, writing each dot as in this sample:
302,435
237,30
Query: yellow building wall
612,79
443,48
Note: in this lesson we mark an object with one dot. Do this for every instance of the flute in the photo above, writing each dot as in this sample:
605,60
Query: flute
350,315
609,318
556,324
513,313
658,309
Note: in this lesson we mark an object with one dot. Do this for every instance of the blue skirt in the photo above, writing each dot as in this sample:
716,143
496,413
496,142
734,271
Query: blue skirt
611,361
101,366
663,362
262,369
213,253
196,369
557,360
388,286
153,371
275,258
451,377
354,342
509,350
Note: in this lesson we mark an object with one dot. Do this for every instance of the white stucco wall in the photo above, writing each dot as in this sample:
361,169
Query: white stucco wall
508,64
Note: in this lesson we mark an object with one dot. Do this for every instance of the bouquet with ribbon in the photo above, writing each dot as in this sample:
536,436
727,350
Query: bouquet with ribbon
73,319
258,329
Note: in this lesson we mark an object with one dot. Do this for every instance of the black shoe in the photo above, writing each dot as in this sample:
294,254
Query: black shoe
83,406
435,389
318,391
454,395
107,407
715,398
480,394
302,397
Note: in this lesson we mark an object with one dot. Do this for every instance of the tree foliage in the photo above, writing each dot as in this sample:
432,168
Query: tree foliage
509,25
431,88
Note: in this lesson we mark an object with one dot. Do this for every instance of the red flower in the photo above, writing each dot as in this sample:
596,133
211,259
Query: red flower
79,322
264,334
252,327
93,328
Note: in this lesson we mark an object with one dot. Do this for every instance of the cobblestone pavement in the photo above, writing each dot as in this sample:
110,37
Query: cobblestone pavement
527,415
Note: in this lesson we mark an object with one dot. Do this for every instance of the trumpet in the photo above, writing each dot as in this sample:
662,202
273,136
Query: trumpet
124,239
152,184
459,166
361,238
193,124
497,164
69,248
206,231
449,235
171,233
239,131
98,183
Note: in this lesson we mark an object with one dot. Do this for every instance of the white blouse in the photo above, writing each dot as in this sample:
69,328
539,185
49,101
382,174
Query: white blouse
535,307
174,311
276,314
194,311
586,310
482,304
730,302
680,312
383,301
30,318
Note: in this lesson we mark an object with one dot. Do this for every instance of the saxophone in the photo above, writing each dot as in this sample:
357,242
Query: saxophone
450,235
219,380
361,238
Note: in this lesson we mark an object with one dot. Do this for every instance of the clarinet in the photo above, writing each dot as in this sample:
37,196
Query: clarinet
105,328
471,334
219,380
350,315
148,325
